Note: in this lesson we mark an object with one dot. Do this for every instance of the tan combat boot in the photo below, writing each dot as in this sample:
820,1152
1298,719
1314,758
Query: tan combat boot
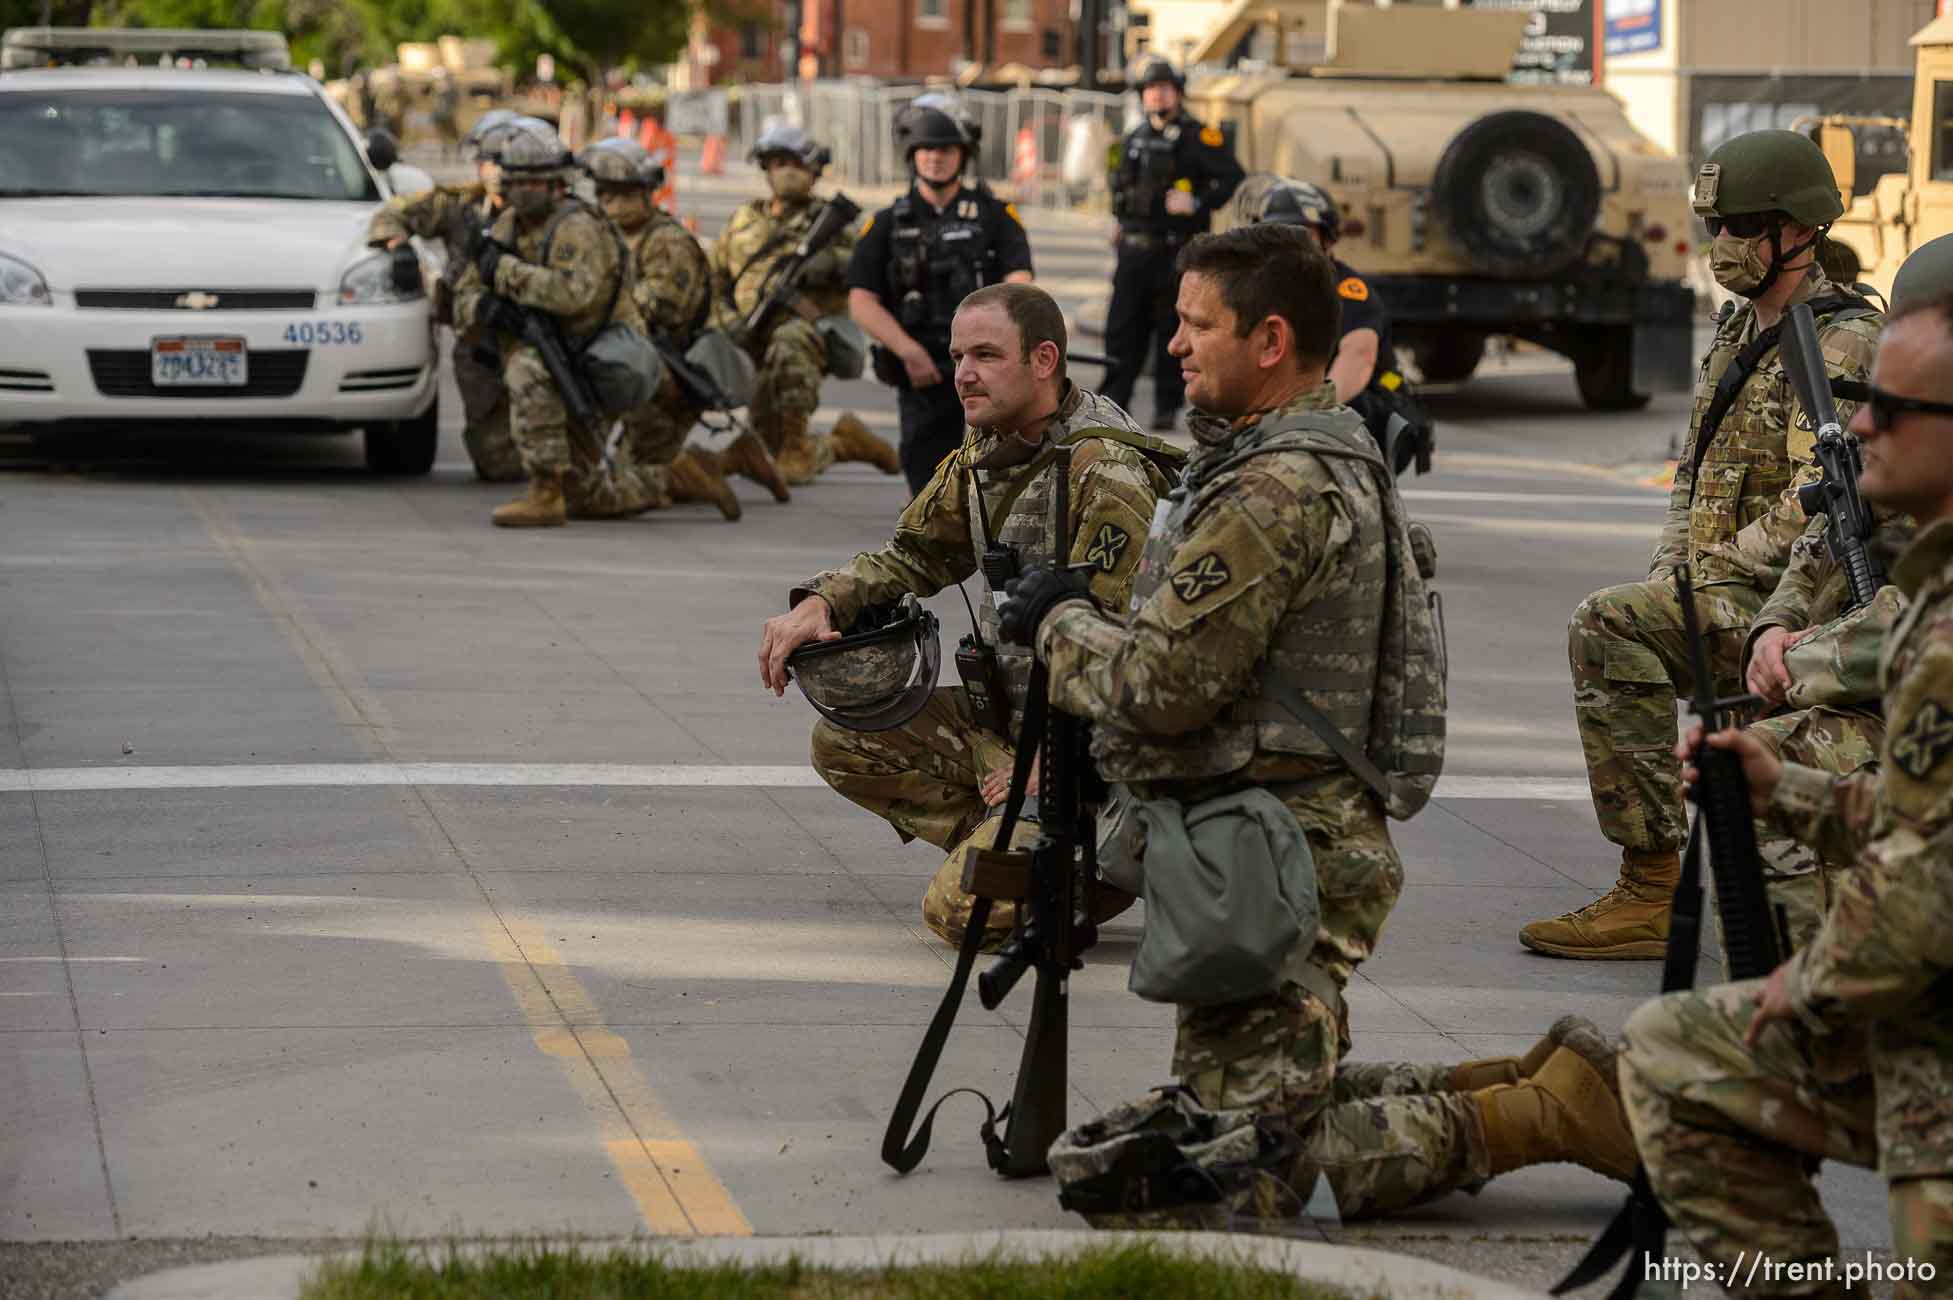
1568,1111
749,458
540,507
696,476
851,440
1627,923
1575,1032
795,454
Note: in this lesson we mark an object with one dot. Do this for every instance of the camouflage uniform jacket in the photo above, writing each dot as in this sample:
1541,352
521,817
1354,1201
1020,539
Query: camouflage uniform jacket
1735,518
1837,664
1113,491
575,286
1883,961
673,281
1264,548
755,239
445,213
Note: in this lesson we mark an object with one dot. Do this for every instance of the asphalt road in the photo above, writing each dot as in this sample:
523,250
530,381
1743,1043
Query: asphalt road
366,864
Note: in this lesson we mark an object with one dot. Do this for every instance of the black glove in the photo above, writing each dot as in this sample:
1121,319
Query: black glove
498,312
1030,596
487,258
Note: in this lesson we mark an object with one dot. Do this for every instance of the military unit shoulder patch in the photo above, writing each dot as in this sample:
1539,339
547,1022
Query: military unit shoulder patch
866,226
1108,544
1211,136
1208,573
1354,288
1926,740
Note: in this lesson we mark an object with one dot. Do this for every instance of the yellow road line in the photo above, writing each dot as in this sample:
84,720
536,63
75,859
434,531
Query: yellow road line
668,1178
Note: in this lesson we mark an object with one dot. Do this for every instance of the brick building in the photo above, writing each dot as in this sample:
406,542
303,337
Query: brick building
901,41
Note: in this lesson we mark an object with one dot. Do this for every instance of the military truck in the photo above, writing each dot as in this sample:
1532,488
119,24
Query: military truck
1900,210
1475,206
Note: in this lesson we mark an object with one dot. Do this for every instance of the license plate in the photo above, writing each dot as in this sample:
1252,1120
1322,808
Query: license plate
206,361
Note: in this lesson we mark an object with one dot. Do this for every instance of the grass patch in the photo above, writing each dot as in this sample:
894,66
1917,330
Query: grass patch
392,1270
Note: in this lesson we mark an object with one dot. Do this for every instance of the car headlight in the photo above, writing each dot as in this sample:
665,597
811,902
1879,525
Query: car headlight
21,285
371,280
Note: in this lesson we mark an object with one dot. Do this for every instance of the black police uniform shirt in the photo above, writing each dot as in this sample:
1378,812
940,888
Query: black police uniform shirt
1154,160
1006,249
1363,311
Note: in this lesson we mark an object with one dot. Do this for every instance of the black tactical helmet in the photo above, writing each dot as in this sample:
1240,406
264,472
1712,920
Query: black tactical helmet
919,127
1153,69
783,141
1300,203
879,675
619,161
936,99
1927,272
1769,171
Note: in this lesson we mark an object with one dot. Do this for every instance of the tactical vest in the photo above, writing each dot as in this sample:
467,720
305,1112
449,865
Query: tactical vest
1148,166
1738,428
1018,506
640,245
1355,677
934,268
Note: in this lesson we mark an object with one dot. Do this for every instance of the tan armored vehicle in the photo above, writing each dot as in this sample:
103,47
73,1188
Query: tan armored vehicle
1474,206
1904,209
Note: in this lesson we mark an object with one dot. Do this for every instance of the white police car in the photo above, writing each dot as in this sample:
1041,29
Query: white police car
182,247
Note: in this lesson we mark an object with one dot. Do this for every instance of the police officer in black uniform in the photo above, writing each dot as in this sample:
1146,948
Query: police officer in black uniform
1172,173
914,261
1364,369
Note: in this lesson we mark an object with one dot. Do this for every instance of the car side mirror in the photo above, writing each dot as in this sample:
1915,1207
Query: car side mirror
404,268
382,150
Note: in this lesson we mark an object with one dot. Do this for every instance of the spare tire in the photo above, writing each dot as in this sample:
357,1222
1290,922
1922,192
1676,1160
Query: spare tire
1518,192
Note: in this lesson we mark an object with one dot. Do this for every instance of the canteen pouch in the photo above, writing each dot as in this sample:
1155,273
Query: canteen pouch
847,346
1230,890
623,369
722,361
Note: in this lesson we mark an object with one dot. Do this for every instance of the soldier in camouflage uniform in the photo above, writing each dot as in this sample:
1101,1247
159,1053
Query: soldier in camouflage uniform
554,253
1845,1052
791,355
1272,575
942,777
455,215
673,288
1733,515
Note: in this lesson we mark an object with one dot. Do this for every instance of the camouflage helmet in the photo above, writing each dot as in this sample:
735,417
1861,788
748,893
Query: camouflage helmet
879,675
487,125
1152,70
619,161
530,149
1301,203
1768,171
1927,272
782,140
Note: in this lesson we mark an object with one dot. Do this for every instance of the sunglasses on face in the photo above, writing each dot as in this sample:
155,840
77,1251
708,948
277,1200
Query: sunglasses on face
1886,408
1744,225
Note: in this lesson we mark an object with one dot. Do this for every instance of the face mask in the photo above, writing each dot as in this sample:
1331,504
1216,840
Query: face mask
531,202
1738,264
790,182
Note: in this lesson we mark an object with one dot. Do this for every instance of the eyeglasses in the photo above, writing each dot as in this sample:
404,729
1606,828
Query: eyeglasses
1886,407
1743,225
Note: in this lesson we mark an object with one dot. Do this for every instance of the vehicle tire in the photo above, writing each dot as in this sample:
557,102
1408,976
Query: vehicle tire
1518,192
397,448
1450,357
1605,373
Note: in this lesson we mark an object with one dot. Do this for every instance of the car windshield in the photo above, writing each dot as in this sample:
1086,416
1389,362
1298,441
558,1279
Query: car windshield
114,143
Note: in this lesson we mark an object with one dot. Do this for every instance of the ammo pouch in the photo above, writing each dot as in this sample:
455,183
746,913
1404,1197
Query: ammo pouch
725,364
847,346
1230,890
622,367
888,368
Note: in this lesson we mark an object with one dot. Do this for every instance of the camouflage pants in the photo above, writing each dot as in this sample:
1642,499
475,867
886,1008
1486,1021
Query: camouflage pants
537,417
1835,741
922,778
791,365
1730,1135
485,412
649,438
1386,1136
1630,662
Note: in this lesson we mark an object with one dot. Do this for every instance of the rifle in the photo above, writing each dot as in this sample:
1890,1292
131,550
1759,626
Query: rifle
1848,522
587,427
1751,932
783,280
1055,884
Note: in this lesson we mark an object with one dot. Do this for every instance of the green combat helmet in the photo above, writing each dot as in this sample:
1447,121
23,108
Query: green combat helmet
1927,272
879,675
1768,171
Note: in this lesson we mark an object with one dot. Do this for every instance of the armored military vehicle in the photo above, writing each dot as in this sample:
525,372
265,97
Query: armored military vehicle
1474,206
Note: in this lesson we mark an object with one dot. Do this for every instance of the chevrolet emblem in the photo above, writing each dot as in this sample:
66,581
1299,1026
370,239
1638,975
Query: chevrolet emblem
197,300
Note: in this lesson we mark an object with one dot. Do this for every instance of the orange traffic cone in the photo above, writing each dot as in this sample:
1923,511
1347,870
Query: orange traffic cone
712,158
1024,162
